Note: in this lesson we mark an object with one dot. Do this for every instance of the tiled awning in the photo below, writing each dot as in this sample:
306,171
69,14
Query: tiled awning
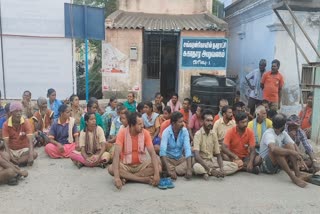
166,22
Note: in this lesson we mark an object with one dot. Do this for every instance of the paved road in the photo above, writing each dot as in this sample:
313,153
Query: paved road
57,186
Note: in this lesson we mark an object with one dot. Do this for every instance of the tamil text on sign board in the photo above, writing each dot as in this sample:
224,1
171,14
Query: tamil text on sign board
204,53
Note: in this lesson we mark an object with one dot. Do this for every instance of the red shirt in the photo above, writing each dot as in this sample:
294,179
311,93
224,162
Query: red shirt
306,117
216,118
272,84
237,144
17,136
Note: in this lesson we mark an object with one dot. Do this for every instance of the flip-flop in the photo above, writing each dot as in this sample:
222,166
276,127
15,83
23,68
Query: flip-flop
162,184
256,170
79,165
169,183
315,179
13,181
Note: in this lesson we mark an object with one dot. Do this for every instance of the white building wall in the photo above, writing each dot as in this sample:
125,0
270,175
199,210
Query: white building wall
285,51
263,36
36,54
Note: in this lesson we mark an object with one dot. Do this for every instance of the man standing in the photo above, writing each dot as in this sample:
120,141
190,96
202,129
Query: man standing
206,146
277,148
18,137
260,124
240,141
272,83
175,139
306,115
130,162
301,143
253,80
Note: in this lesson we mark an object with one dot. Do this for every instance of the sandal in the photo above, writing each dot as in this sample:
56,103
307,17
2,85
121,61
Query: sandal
169,183
79,165
163,183
13,181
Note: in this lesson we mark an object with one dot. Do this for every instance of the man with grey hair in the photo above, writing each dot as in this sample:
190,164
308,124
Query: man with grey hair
18,137
255,91
260,124
42,122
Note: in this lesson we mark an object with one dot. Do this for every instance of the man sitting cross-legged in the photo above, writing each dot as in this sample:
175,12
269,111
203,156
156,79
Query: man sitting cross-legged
18,137
302,145
130,162
206,146
175,140
277,148
9,173
241,144
259,124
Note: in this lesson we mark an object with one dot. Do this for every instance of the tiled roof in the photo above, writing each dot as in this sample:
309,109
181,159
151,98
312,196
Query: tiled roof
166,22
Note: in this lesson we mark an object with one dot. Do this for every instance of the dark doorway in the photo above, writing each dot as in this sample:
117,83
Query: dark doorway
160,64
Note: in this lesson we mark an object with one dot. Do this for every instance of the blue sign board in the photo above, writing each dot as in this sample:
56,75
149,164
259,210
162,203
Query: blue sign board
84,22
203,53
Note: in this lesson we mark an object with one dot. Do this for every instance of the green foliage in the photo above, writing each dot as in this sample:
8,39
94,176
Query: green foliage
95,77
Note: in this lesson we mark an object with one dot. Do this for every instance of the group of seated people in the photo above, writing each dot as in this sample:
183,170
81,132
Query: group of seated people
153,143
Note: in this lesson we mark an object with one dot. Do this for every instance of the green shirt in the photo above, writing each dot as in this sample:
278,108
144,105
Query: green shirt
132,107
99,122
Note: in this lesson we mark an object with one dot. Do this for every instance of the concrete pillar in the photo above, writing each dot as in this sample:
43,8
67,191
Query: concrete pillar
315,132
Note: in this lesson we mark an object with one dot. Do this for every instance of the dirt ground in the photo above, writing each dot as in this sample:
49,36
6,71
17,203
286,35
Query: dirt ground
57,186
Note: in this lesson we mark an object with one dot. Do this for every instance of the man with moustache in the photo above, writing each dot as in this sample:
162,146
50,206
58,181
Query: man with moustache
241,143
253,80
175,140
18,137
260,124
130,162
207,151
272,83
277,150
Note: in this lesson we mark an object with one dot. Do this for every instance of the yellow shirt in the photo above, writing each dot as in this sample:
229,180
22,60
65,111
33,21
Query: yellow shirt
259,127
207,145
220,128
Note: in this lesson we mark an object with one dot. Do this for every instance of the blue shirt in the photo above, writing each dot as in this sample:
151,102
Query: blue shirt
173,149
60,132
2,116
301,137
54,107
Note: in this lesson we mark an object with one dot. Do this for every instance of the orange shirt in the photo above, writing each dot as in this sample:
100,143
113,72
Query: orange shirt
305,121
272,84
135,154
237,144
185,116
17,137
163,126
216,118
